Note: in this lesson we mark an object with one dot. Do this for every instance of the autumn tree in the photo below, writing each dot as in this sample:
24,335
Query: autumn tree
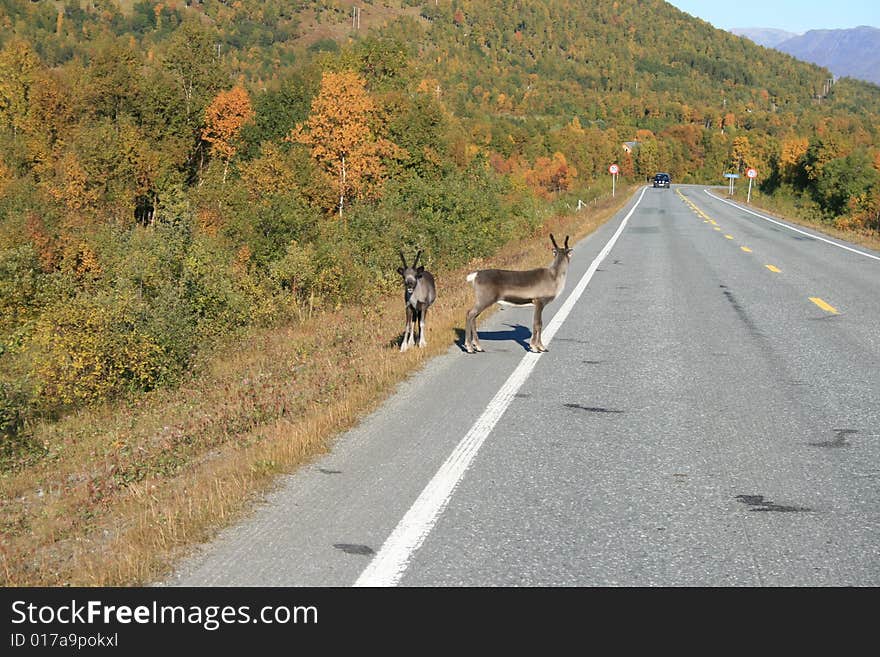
192,61
791,155
19,65
50,116
550,176
341,132
648,158
741,153
114,79
224,119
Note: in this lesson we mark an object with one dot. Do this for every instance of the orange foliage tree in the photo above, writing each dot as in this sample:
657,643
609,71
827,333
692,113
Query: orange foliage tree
225,116
551,176
341,133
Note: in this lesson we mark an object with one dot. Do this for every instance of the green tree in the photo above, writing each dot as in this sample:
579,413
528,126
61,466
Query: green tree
844,179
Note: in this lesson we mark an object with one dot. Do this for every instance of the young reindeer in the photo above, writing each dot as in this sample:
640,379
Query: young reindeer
536,287
419,294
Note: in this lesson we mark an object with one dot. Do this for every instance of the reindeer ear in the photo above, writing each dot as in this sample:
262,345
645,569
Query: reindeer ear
400,270
420,270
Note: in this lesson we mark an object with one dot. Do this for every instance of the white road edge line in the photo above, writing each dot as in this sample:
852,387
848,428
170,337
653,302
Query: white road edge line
784,225
390,563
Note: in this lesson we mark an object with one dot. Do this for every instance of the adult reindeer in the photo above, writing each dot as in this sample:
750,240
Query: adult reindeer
536,287
419,293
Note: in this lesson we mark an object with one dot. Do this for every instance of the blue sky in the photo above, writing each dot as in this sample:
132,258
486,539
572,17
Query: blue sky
790,15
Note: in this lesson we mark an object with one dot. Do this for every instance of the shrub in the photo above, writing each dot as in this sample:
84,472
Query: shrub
91,349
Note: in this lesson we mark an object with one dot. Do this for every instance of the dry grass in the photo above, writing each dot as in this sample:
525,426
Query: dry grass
127,488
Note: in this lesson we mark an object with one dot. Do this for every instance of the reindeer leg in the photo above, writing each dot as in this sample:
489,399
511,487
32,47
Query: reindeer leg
537,324
404,345
422,317
472,340
413,322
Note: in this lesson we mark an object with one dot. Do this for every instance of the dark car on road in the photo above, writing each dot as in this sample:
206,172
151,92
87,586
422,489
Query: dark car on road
661,180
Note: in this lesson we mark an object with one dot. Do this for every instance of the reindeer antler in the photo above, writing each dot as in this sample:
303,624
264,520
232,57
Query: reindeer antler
416,261
553,239
566,241
403,259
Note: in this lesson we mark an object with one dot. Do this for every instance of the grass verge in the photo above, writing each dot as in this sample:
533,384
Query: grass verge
125,489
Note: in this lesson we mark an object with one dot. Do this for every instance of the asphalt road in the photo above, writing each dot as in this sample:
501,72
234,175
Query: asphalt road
708,414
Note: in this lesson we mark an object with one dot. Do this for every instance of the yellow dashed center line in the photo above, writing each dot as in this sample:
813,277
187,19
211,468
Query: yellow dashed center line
824,306
707,220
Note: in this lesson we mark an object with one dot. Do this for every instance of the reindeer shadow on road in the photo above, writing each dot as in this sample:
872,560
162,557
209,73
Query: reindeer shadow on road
518,333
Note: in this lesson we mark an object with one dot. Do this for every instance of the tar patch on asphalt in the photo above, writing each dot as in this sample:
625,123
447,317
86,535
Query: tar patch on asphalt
758,503
592,409
839,440
355,548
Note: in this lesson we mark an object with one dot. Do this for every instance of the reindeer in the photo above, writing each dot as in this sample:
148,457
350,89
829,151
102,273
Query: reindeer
419,294
536,287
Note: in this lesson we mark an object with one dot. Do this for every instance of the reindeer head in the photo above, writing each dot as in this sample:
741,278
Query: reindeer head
410,275
565,251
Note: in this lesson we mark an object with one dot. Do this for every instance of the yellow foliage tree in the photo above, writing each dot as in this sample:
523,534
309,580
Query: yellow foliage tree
50,115
341,133
268,174
224,118
741,154
791,152
19,66
5,176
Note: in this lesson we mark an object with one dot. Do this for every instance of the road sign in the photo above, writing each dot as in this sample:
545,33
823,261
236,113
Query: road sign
613,169
751,173
730,178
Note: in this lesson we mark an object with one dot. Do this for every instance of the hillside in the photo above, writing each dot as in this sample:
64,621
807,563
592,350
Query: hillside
178,177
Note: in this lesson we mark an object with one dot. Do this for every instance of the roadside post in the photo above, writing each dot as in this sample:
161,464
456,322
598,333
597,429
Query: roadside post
752,174
731,177
613,170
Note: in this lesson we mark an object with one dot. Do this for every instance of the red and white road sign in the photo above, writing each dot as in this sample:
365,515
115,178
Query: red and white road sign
751,173
613,169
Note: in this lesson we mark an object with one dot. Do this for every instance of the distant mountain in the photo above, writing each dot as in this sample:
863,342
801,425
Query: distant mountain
764,36
852,53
